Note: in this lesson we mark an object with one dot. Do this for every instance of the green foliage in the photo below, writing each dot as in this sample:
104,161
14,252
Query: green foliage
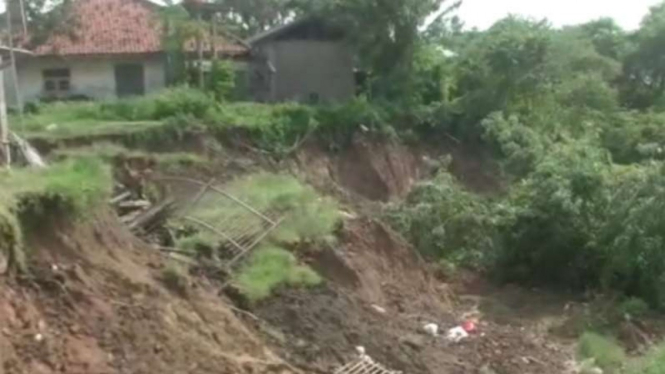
307,216
32,197
72,186
200,243
11,241
443,220
606,352
221,82
643,81
181,101
633,307
272,267
652,363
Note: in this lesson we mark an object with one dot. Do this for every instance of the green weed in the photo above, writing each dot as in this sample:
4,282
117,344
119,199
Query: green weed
307,215
31,197
606,352
270,267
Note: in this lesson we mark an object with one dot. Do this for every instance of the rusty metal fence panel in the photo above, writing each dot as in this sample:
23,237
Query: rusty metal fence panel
364,365
236,223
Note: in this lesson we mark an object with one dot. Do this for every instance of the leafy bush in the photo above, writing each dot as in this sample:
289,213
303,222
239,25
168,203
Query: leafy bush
182,101
445,221
548,235
633,307
221,82
271,267
606,352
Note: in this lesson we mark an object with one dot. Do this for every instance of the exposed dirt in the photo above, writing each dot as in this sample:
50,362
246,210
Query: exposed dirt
373,268
380,169
92,304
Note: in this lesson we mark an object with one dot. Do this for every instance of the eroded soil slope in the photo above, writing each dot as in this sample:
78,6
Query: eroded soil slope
93,304
379,294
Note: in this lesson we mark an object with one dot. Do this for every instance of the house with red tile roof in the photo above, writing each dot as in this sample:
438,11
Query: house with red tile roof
113,48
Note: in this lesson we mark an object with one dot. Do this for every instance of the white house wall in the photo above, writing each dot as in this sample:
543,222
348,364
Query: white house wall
93,77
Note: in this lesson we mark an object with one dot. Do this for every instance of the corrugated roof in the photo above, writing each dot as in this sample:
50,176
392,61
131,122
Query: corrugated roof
115,27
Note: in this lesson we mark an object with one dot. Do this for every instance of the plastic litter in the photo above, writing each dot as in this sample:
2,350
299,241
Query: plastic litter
469,326
378,309
431,329
456,334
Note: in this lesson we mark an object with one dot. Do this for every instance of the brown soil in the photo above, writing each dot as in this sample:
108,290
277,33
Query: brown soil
379,169
102,308
92,305
373,267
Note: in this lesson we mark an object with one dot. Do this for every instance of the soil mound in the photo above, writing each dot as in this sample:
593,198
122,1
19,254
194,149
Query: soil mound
93,304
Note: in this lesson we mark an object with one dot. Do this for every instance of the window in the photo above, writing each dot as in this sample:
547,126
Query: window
56,82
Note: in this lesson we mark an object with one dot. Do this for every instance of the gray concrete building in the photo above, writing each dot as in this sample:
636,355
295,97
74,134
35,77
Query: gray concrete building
304,61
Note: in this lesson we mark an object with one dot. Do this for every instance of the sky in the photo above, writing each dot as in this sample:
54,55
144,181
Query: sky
483,13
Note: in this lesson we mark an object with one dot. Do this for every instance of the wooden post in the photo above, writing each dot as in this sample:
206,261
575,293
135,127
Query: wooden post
199,48
213,38
4,126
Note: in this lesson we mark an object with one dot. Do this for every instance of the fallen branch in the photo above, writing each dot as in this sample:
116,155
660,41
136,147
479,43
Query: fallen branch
123,196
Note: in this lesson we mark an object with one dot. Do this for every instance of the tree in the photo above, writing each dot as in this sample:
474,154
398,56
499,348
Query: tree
45,17
608,38
386,34
249,17
643,82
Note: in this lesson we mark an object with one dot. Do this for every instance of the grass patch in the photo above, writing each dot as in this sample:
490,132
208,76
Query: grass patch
201,243
271,267
31,197
168,162
652,363
276,128
77,184
606,352
308,216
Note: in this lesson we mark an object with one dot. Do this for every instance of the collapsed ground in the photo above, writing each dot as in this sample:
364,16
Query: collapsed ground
99,299
94,299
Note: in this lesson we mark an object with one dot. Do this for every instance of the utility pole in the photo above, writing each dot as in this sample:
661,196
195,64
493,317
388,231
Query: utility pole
4,126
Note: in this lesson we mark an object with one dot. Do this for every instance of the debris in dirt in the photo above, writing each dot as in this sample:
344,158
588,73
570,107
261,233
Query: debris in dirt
486,369
379,309
39,337
30,154
585,367
361,350
364,364
469,326
431,329
414,341
456,334
152,217
347,215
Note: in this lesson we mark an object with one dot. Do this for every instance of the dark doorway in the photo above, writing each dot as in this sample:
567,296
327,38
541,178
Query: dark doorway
129,80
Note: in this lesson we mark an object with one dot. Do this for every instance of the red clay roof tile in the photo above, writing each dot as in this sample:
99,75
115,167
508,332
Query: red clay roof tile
115,27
